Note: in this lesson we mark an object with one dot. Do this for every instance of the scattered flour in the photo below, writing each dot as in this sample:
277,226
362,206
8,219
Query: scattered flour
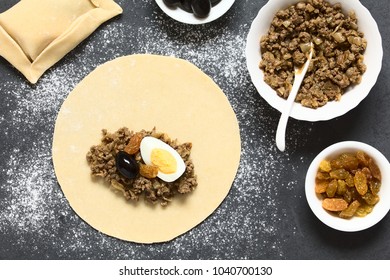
37,220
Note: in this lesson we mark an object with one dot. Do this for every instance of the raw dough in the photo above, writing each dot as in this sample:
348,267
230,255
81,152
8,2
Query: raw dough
35,34
140,92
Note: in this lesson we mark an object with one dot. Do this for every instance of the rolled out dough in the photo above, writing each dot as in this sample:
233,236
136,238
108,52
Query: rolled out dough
140,92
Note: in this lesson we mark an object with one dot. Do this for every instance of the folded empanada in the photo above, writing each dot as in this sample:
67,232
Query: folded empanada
35,34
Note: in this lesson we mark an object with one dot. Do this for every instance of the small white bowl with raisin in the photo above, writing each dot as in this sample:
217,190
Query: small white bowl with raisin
348,186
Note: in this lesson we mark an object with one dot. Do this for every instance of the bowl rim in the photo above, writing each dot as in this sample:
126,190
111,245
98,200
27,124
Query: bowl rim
188,18
260,26
356,223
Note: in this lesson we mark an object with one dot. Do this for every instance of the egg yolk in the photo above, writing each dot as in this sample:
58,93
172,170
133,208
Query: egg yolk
164,161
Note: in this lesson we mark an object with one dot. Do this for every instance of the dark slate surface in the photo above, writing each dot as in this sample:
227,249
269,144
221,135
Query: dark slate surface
265,215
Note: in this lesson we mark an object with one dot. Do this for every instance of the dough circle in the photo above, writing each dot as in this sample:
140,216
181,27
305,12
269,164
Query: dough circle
140,92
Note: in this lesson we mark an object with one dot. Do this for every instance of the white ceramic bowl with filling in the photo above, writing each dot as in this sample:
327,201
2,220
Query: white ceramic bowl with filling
180,15
355,223
352,97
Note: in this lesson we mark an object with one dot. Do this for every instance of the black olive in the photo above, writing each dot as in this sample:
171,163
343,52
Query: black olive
126,165
186,5
201,8
214,2
171,3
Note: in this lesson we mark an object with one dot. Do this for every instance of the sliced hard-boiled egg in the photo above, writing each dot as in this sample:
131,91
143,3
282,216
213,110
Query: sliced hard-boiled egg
168,161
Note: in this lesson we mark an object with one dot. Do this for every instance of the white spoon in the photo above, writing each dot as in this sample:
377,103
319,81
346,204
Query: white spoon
299,74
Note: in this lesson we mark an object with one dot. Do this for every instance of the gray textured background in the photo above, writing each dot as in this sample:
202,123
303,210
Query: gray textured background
265,215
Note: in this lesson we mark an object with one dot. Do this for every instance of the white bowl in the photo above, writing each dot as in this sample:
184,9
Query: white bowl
180,15
355,223
372,58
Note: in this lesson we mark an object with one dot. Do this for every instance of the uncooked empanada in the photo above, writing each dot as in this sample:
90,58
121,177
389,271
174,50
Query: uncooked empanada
35,34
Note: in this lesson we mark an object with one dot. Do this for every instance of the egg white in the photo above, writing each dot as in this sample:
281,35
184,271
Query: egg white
148,144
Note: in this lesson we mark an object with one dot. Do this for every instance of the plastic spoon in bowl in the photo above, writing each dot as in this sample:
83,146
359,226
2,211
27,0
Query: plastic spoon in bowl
299,74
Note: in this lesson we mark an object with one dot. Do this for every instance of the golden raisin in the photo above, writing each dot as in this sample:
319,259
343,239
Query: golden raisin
336,163
322,175
339,173
375,171
332,188
325,166
321,186
148,171
334,204
362,158
375,186
349,180
370,199
348,196
350,211
360,181
341,187
349,161
363,210
134,143
367,172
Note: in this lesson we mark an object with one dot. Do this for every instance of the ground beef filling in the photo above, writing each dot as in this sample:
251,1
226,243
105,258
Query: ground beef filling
337,61
101,159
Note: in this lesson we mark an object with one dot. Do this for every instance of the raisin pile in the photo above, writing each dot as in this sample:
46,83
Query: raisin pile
349,184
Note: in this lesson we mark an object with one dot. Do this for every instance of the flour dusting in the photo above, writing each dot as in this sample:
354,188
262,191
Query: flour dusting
36,216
